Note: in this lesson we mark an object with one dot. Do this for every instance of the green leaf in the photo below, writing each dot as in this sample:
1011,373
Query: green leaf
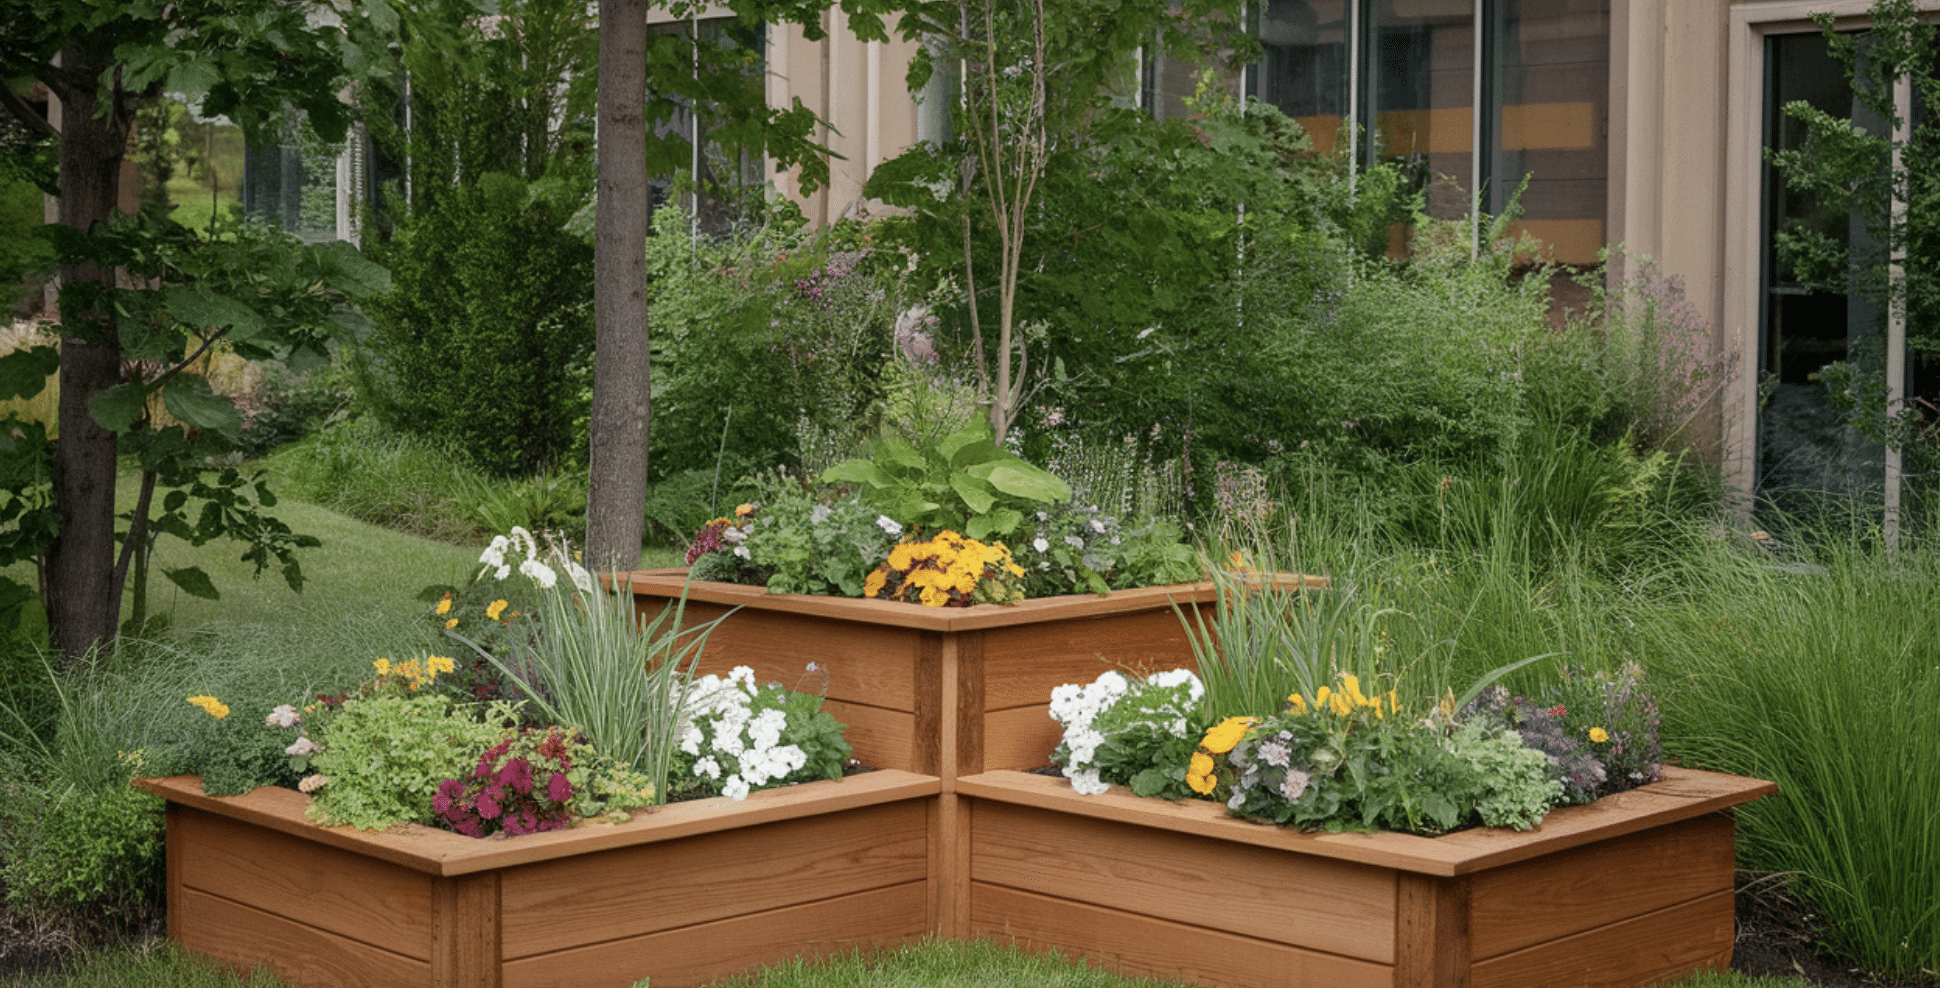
196,305
1020,479
961,447
193,582
996,524
976,494
857,472
24,373
119,408
894,451
188,397
349,271
193,78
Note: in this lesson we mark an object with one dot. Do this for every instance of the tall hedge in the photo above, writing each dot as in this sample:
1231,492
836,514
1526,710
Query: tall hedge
486,341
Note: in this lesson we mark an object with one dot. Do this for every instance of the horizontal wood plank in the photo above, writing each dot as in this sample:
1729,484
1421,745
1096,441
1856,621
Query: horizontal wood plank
1020,738
440,852
1650,949
1563,894
1025,663
330,889
1140,945
699,954
1316,903
877,737
648,889
245,938
667,583
1682,795
865,663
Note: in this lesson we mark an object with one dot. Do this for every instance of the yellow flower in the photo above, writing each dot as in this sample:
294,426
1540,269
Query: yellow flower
1351,685
444,605
1599,735
212,706
383,666
1013,569
873,584
1225,735
438,663
902,556
1199,775
932,597
1296,703
1321,696
742,511
497,607
451,623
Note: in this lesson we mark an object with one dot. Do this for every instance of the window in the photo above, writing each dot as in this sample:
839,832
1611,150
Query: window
726,179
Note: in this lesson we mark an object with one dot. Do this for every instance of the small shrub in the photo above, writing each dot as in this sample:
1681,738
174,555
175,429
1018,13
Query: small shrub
742,737
1137,732
385,751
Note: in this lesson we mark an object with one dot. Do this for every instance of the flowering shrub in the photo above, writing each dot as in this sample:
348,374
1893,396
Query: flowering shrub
232,754
536,780
948,571
1339,758
796,540
741,737
495,610
1128,731
1075,548
1600,729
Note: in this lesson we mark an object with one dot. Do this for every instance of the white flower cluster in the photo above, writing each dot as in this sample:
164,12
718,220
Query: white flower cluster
520,542
1079,708
732,744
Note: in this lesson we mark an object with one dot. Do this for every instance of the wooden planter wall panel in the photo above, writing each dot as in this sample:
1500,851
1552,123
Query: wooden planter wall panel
684,894
944,691
1633,889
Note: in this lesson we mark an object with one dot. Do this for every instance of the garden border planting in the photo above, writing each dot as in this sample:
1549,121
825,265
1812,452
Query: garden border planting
683,894
1632,889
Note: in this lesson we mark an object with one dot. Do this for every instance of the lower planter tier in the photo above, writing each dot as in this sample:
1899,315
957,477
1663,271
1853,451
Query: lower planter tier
682,895
1629,891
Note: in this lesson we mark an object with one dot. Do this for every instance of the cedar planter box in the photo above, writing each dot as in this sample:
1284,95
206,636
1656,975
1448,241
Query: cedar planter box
1633,889
683,894
943,691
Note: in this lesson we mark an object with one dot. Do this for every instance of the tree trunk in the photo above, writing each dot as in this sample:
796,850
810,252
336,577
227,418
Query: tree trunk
78,585
622,409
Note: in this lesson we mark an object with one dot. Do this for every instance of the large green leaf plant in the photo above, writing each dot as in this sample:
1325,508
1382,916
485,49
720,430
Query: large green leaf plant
964,483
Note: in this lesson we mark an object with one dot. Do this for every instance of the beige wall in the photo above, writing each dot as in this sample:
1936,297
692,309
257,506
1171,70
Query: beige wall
858,88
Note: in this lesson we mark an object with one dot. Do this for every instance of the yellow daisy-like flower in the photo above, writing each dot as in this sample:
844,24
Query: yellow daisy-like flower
903,556
742,511
874,582
1225,735
444,605
932,597
497,607
451,623
1013,569
438,664
1296,703
1599,735
211,706
383,666
1199,775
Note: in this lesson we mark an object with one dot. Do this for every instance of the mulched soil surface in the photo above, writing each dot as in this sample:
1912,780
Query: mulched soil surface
1779,935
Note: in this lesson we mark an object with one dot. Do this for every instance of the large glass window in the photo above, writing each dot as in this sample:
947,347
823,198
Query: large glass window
726,184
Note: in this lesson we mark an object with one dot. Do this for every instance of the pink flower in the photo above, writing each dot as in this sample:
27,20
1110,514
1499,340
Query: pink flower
559,788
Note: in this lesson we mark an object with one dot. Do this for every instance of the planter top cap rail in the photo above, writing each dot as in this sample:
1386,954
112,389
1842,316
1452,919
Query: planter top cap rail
673,583
1681,794
443,853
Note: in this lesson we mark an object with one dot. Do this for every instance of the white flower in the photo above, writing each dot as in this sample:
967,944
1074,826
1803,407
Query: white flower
503,572
735,788
581,579
302,747
283,716
1074,542
494,554
1294,784
708,767
819,514
1083,744
742,551
889,526
312,783
1276,753
539,573
733,536
690,739
1086,782
1040,544
1098,525
1233,802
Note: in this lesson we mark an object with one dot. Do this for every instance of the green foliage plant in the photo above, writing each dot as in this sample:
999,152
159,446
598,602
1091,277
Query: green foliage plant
235,754
537,780
742,737
385,750
963,483
1136,731
1076,548
485,341
796,539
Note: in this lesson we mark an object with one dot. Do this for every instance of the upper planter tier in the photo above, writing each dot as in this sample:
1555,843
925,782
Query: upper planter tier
941,690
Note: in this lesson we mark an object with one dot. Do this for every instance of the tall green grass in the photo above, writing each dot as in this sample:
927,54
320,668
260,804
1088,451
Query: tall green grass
385,478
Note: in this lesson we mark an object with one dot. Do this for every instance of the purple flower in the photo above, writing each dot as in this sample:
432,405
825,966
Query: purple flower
488,802
517,773
559,788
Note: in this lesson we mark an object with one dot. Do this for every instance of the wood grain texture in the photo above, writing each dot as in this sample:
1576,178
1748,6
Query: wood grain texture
1020,738
1140,945
243,938
877,737
1431,931
329,889
972,682
649,889
1315,903
172,815
1563,894
698,954
1649,949
671,583
1026,662
926,743
440,852
866,663
1684,794
465,931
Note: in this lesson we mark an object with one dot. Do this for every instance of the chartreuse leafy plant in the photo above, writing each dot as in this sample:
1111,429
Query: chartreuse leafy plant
963,483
